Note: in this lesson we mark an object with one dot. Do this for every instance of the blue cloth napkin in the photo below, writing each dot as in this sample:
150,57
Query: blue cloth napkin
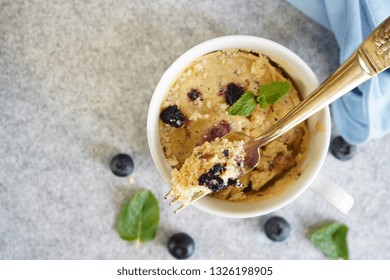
364,113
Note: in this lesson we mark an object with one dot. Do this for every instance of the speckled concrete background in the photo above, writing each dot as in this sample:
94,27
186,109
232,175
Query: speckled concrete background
76,78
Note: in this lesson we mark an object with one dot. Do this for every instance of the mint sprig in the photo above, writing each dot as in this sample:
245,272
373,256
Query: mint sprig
244,105
332,240
269,94
139,217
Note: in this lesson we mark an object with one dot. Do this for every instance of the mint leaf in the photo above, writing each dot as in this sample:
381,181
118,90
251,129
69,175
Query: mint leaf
244,105
271,93
138,218
262,101
332,241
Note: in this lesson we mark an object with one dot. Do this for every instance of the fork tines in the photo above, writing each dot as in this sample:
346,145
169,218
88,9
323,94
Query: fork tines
194,198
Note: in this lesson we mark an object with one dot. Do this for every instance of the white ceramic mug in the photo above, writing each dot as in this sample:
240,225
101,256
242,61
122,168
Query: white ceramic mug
305,81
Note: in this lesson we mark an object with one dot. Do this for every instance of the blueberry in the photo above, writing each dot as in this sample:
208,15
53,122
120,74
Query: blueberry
216,169
181,246
341,149
226,153
232,182
276,228
172,116
122,165
211,179
194,94
232,93
203,179
215,183
248,188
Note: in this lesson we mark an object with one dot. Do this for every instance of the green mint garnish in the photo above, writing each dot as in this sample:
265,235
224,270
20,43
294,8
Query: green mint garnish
138,218
332,241
271,93
244,105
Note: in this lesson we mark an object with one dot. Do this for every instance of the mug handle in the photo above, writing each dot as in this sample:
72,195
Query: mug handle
332,193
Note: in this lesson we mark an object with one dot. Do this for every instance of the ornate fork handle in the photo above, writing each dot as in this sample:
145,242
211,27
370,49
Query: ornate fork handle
376,49
371,58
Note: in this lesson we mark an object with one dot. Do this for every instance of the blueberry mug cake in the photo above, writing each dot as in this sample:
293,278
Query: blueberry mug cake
209,99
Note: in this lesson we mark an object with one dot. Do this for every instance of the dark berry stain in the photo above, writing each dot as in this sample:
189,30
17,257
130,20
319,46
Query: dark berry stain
172,116
248,188
254,53
216,131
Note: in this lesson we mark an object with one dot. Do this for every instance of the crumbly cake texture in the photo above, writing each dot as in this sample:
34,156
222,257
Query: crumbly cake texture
212,167
195,111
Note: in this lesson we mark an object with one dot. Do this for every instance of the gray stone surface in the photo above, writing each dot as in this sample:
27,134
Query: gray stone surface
76,78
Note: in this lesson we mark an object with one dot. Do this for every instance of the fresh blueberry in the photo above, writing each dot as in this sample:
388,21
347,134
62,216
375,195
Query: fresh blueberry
232,93
341,149
172,116
122,165
276,228
181,246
